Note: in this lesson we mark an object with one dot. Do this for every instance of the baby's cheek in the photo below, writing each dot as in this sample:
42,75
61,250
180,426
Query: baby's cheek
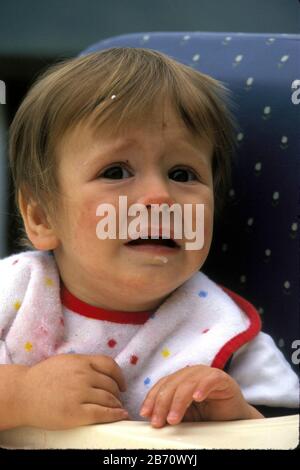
203,222
86,224
208,226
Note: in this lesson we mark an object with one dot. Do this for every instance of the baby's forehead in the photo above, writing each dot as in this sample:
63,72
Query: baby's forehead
88,147
121,126
161,125
171,132
161,121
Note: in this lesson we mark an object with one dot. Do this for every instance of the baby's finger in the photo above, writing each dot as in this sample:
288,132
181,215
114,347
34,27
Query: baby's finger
94,414
182,399
104,382
216,385
108,366
103,398
162,404
149,401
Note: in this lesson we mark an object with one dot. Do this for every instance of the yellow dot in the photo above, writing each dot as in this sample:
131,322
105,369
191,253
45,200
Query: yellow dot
17,304
48,281
165,353
28,346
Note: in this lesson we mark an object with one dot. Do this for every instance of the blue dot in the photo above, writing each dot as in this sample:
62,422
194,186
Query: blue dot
152,316
203,293
147,381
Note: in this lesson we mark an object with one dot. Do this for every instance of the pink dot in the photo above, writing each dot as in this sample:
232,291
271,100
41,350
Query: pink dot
61,321
205,331
111,343
133,360
15,262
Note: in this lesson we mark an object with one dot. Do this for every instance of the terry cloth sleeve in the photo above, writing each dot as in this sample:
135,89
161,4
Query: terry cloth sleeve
264,375
13,284
30,309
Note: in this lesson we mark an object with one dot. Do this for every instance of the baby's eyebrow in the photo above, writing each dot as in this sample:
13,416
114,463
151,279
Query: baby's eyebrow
111,149
122,145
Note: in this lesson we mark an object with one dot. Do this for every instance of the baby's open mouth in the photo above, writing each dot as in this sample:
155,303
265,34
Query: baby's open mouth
154,241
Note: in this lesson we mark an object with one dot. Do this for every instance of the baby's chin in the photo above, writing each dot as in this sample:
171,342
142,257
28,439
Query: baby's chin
149,288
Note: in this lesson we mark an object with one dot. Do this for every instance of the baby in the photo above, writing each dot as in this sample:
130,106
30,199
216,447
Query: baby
96,328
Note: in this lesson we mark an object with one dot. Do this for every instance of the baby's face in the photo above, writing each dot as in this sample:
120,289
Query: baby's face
154,164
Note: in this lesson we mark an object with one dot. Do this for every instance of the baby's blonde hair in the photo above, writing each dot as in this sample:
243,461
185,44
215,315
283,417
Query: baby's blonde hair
112,89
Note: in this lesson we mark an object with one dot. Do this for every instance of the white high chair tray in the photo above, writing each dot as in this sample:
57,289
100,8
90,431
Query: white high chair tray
269,433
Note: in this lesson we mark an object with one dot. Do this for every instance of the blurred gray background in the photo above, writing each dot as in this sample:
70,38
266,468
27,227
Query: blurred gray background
33,34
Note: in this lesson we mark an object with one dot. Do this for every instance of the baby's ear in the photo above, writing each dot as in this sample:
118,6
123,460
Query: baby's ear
39,229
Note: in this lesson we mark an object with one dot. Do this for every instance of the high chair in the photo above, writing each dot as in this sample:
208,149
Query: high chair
255,245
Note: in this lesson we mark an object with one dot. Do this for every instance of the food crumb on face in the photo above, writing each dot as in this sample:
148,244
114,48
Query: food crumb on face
161,258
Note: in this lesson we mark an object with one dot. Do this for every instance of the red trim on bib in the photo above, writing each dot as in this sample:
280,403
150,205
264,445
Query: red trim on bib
71,302
239,340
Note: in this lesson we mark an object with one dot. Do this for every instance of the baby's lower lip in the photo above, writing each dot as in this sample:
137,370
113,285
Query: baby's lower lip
155,249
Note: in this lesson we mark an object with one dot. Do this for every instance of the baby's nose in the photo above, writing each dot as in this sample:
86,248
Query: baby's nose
155,193
153,197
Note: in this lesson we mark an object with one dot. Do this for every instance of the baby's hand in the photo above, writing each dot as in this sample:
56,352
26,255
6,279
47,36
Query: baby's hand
65,391
196,393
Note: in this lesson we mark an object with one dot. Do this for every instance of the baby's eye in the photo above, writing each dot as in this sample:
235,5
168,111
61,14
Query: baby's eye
182,175
115,172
